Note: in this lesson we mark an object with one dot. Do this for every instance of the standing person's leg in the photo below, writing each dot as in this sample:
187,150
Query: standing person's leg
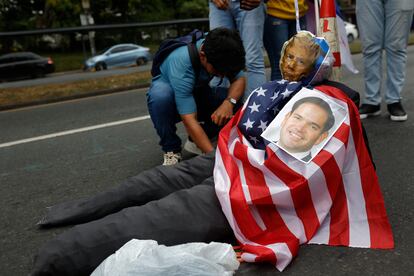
398,16
370,18
292,26
220,18
164,115
276,32
149,185
250,25
192,215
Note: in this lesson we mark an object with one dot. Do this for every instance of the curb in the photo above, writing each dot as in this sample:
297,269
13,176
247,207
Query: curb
73,97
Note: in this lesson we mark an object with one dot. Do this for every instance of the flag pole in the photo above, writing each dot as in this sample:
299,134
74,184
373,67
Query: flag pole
329,30
316,7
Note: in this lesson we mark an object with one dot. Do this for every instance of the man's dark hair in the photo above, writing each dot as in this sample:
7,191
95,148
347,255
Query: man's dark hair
322,104
224,51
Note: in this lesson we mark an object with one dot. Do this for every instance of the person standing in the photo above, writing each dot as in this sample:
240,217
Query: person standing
246,16
384,24
279,26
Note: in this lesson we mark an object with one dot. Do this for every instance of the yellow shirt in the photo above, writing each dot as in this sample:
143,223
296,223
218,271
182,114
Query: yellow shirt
285,9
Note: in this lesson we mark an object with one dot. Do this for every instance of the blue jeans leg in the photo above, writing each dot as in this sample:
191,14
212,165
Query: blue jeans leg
398,16
164,115
370,16
220,18
250,26
276,32
384,25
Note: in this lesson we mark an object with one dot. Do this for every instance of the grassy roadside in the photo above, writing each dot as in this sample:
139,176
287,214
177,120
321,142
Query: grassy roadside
12,97
66,61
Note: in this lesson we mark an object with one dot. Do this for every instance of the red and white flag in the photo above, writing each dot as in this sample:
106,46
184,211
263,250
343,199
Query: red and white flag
274,202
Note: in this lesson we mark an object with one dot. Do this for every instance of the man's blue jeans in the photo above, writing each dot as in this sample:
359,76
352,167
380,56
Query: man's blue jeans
276,32
250,26
384,24
164,114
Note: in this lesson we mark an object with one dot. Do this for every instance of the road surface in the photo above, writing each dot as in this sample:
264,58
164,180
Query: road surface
58,152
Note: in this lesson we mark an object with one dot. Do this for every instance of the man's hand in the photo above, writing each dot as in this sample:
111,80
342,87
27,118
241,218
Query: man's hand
196,132
249,4
223,113
221,4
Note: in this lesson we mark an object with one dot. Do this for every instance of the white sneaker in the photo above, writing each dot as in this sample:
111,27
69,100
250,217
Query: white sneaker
192,147
171,158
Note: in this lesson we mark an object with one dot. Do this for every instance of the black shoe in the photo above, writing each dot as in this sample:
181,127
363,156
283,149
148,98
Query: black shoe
367,110
397,112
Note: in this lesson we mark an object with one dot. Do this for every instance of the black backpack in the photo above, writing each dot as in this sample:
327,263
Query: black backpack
170,44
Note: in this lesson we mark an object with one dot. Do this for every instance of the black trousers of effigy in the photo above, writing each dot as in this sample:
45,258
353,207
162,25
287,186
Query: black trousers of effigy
169,204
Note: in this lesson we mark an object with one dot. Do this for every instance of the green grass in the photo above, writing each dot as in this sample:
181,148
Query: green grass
67,61
52,92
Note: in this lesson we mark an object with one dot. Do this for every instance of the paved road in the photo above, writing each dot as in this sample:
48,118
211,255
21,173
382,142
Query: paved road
55,166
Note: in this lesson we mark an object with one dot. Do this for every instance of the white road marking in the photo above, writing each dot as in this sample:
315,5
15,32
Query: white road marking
73,131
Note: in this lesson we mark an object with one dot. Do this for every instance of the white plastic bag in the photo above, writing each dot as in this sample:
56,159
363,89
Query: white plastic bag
146,257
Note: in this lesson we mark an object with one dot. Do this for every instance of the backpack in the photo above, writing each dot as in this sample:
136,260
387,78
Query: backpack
170,44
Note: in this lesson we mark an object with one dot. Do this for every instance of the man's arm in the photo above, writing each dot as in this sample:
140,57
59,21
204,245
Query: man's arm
225,111
196,132
249,4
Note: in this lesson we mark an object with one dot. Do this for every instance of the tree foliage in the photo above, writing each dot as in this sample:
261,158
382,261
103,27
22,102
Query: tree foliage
29,14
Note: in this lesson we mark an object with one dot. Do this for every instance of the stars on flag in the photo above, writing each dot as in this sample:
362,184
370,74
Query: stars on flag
253,139
261,92
275,95
254,107
263,125
287,92
248,124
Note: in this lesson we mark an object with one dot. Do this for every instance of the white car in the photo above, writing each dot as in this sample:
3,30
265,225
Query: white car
351,31
119,55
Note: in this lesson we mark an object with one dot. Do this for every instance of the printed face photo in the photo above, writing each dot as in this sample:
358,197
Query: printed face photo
303,128
305,124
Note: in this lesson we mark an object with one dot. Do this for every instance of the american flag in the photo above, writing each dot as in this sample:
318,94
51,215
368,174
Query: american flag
263,105
274,202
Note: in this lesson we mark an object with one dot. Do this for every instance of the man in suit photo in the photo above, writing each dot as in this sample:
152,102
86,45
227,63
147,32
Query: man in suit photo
305,126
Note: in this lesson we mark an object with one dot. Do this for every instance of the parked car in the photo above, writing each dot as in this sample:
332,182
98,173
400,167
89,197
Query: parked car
119,55
351,31
24,65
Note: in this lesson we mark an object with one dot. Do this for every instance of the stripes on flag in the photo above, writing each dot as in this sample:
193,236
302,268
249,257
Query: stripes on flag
274,203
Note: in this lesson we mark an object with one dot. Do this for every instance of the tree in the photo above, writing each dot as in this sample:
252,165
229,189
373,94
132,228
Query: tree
29,14
192,9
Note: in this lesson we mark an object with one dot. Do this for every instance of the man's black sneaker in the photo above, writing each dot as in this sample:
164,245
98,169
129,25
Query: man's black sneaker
397,112
367,110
